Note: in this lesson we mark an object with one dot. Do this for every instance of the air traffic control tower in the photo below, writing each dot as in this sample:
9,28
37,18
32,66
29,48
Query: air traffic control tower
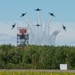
22,36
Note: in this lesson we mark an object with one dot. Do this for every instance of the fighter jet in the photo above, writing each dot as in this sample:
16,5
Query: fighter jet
37,25
51,14
13,26
23,14
37,9
64,27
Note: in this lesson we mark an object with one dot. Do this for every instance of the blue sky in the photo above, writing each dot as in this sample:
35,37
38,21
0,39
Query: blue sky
64,10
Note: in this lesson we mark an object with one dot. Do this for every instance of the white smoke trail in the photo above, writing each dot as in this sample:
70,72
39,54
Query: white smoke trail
32,32
47,26
44,37
39,28
38,18
45,34
30,25
53,37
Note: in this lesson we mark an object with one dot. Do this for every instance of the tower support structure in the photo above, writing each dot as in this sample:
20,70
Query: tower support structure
22,36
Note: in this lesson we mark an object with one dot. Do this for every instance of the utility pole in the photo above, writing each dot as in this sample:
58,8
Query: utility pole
35,62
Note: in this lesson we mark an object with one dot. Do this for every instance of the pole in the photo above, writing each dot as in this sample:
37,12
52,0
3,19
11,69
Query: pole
34,62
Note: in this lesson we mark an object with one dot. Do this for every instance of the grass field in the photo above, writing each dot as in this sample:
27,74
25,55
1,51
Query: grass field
37,72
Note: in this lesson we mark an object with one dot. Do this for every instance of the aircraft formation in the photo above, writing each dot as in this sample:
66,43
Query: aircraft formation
36,35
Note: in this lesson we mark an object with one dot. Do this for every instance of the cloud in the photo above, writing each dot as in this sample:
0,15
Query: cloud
3,34
8,40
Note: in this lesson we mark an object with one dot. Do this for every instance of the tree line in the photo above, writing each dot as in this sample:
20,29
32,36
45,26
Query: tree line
38,57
